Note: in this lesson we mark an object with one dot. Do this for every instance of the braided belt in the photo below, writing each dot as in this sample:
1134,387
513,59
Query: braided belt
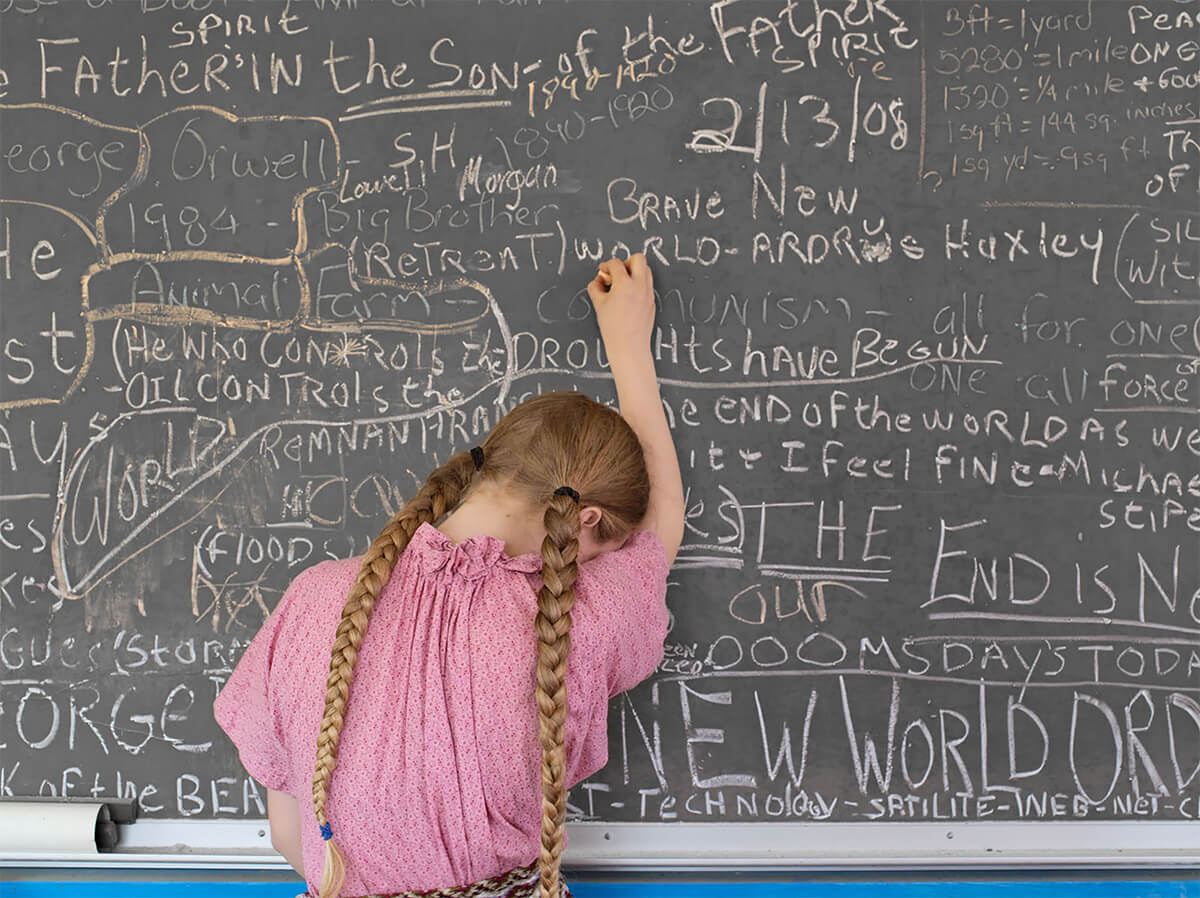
521,882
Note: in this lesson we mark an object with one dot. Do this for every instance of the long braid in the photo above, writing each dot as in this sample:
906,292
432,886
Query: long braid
441,492
555,600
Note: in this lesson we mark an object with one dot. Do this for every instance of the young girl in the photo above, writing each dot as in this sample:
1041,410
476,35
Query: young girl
507,602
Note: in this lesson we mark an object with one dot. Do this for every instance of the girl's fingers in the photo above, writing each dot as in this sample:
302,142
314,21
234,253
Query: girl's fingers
615,269
638,268
596,288
612,270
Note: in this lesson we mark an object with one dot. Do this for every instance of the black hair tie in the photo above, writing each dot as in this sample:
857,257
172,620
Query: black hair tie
567,491
477,457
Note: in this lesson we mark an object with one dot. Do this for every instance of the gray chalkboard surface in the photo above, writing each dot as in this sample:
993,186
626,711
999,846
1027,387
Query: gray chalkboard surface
928,333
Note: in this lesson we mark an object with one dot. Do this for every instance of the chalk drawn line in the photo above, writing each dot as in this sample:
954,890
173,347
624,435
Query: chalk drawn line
423,95
427,107
1050,619
905,675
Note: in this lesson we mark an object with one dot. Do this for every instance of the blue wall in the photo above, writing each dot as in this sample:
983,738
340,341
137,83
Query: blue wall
190,884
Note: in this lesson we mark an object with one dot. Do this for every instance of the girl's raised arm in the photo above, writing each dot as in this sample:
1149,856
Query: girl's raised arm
623,296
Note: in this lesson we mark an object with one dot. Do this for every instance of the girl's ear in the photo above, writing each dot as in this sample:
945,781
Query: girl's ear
589,516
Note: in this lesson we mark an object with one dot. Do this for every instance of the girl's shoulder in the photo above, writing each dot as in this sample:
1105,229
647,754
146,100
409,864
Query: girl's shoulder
642,560
319,587
327,573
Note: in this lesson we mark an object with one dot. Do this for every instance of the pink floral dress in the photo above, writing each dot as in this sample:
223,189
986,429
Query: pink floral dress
438,779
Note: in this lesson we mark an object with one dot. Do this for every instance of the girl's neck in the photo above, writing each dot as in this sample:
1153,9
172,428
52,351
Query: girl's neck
492,511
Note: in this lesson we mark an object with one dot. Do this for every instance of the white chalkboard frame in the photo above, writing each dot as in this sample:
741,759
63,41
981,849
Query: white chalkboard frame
245,844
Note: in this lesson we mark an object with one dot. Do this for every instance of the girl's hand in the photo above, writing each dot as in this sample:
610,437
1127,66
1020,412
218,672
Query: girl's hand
622,294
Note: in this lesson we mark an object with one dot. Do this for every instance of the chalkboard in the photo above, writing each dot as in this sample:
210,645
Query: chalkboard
928,333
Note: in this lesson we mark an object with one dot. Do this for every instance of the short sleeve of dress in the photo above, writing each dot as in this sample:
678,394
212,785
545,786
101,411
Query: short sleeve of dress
247,708
625,593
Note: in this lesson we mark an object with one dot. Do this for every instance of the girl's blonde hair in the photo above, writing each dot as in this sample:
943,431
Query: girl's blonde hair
554,440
